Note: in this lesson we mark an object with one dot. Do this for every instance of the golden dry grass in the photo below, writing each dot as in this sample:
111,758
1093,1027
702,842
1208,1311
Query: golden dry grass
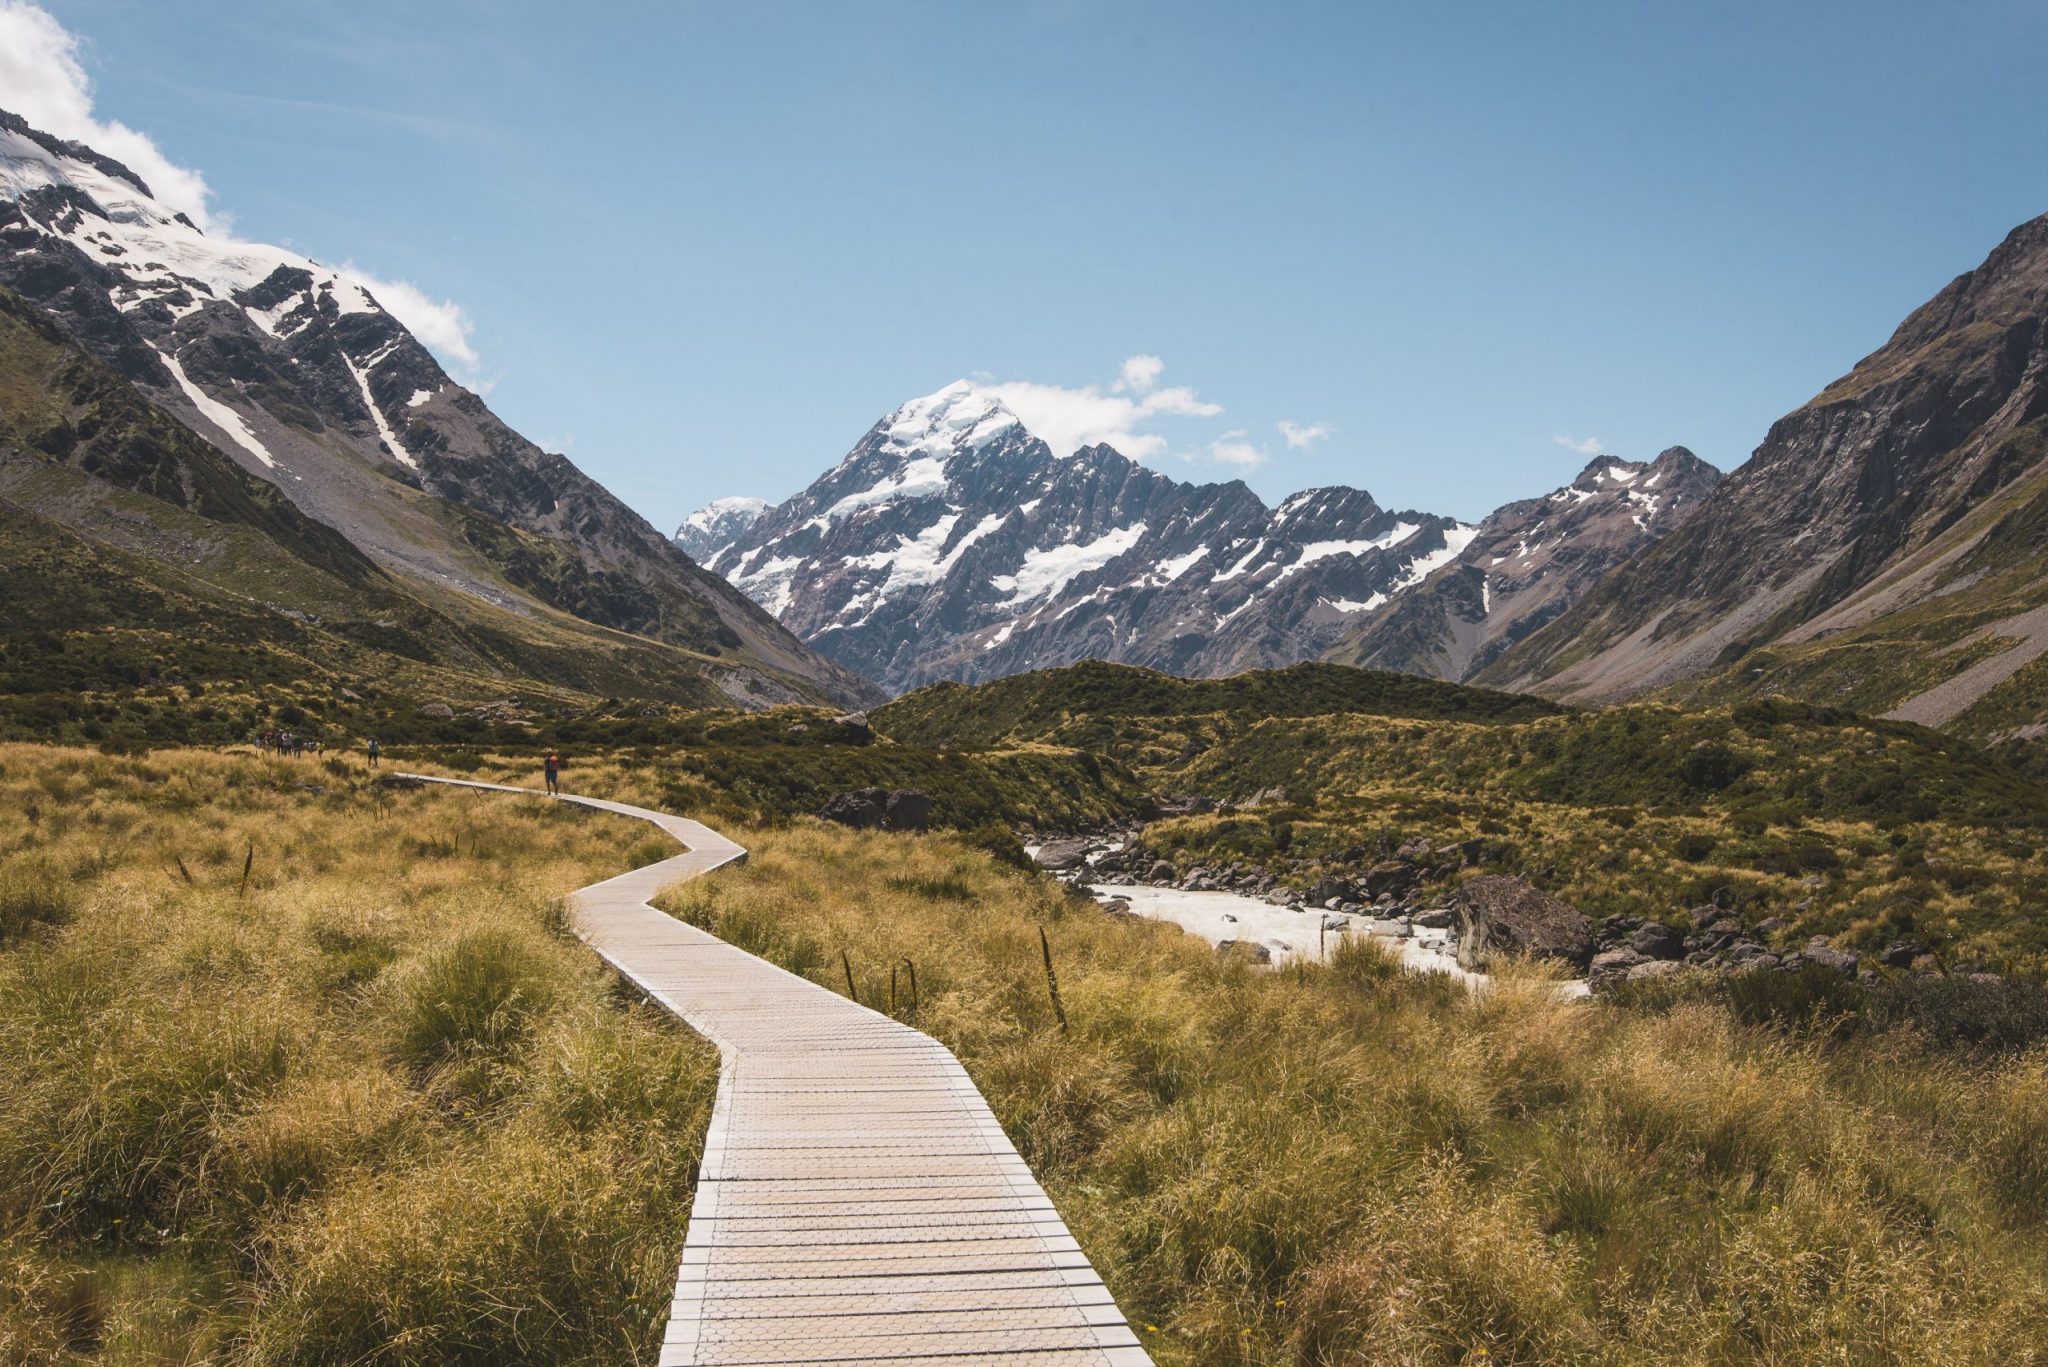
1346,1165
373,1107
378,1109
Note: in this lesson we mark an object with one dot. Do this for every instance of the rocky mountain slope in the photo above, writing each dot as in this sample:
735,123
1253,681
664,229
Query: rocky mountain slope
1883,549
1530,561
295,372
951,543
155,587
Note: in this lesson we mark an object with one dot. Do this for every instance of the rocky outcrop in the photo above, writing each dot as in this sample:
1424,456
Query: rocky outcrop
1881,550
1501,915
879,809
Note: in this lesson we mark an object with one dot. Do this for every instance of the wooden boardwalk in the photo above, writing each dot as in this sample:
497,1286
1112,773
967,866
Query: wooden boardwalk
858,1202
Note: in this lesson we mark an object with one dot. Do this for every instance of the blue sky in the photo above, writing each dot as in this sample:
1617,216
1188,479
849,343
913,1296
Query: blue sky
701,247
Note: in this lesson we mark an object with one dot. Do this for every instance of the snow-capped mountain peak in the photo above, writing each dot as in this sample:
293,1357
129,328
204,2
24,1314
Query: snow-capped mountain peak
958,418
105,210
299,375
717,525
953,543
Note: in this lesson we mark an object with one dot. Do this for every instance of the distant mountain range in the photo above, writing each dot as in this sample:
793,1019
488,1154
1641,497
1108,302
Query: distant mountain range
951,543
226,460
514,569
1883,550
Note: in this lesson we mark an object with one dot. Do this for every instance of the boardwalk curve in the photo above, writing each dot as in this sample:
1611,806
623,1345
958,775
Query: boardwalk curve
857,1202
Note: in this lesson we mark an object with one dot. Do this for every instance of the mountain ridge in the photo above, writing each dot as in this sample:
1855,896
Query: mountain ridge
1880,550
951,543
295,372
1531,560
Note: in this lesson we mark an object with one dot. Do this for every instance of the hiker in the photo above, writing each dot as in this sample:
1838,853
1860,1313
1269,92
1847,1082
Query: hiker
553,769
375,751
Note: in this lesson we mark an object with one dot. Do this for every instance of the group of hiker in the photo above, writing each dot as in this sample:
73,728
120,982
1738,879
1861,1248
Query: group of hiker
290,743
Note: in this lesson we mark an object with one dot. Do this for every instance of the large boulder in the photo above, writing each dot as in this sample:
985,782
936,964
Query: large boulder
1901,953
1613,965
1655,940
907,810
1501,915
1061,855
861,809
1391,878
1329,888
879,809
1819,950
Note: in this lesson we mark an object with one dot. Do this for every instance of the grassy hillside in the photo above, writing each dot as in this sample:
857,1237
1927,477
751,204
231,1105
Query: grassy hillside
1834,824
1830,822
1112,708
371,1105
1981,580
765,768
1348,1165
374,1107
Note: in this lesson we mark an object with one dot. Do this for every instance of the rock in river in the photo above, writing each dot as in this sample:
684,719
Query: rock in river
1502,915
1059,855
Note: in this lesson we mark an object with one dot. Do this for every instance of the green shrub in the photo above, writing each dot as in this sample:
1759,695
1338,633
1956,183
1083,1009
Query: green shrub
1711,767
1813,998
1959,1013
1694,846
477,994
1000,843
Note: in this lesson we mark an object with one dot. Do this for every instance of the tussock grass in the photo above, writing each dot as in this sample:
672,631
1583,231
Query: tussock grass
1350,1165
378,1108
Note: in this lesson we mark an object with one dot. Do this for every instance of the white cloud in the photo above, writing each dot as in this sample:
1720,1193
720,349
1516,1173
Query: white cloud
1069,419
1585,446
1300,436
1139,374
1232,449
440,324
42,80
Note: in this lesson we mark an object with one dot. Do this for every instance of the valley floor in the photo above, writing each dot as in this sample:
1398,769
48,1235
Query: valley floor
374,1106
